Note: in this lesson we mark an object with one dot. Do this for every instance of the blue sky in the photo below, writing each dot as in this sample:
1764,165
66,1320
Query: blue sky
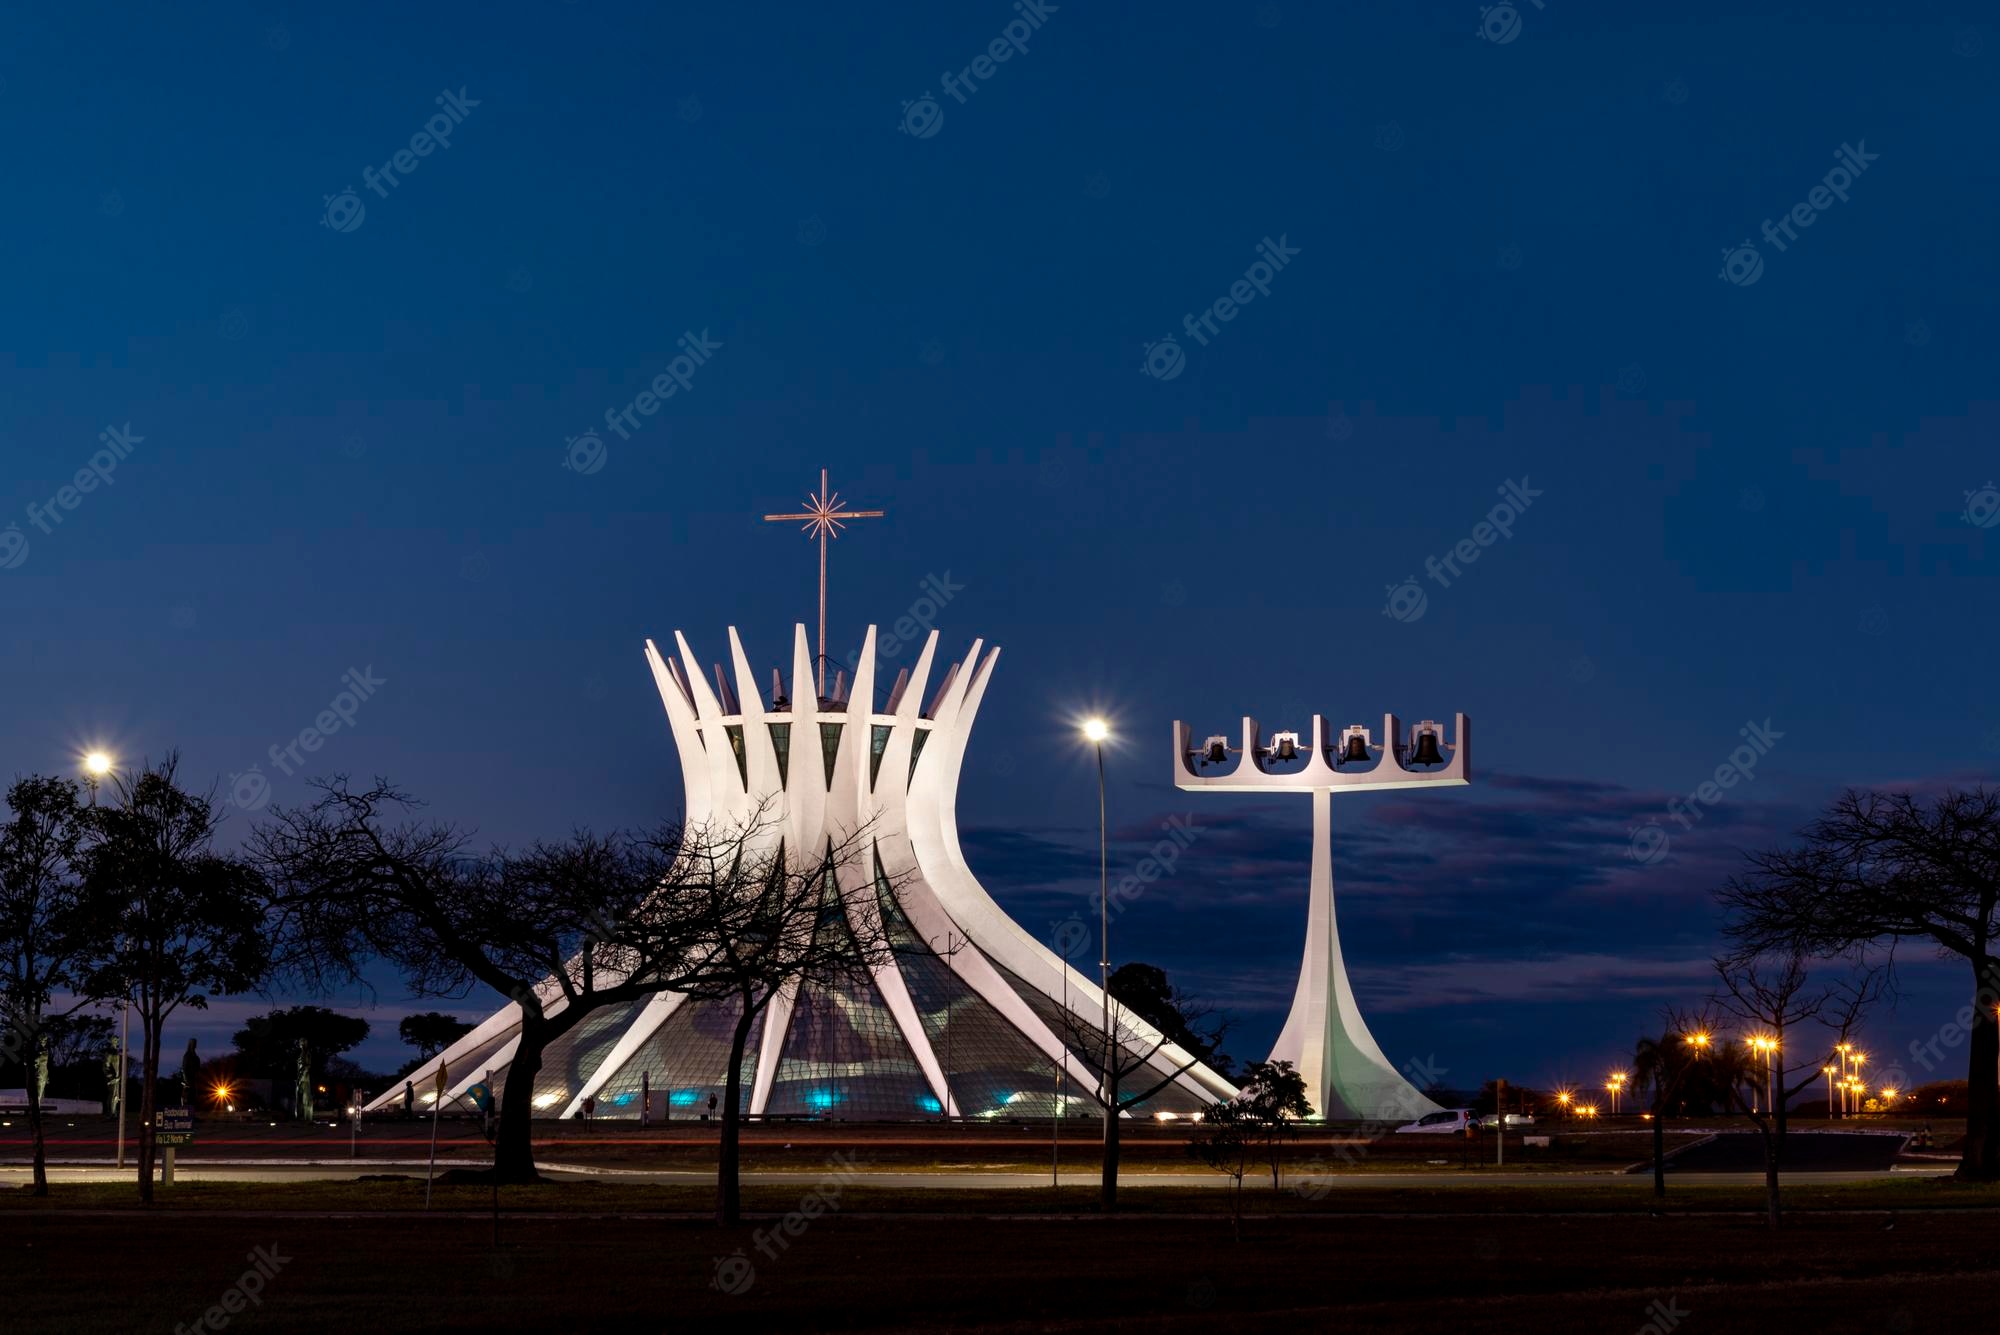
1757,501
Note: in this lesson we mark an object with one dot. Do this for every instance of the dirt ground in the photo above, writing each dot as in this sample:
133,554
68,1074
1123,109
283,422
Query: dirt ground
86,1272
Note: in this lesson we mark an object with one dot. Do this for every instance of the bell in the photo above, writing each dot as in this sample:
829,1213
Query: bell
1287,747
1424,751
1356,749
1218,751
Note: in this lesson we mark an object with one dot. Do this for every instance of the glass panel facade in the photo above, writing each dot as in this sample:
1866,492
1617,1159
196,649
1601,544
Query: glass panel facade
1076,1033
829,746
575,1057
992,1068
735,731
844,1057
687,1059
878,742
781,742
917,748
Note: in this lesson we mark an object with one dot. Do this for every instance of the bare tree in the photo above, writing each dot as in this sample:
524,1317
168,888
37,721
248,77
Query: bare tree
777,925
563,928
1128,1067
43,941
1664,1067
1881,868
1775,996
172,920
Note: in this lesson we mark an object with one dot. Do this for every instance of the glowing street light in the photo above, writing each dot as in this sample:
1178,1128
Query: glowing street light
1616,1084
1827,1071
1095,731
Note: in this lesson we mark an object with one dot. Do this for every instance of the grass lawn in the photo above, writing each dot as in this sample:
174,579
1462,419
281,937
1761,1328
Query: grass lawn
69,1271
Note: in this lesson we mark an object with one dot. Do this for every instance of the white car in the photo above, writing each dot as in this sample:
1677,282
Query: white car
1454,1121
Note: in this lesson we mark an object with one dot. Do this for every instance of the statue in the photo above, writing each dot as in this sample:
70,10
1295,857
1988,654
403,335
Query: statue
41,1068
305,1087
190,1075
112,1083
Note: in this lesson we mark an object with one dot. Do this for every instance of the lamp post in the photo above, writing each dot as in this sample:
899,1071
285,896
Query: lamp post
96,765
1616,1084
1095,731
1827,1071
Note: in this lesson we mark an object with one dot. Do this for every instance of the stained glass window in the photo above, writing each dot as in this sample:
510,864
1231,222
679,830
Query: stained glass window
575,1057
878,742
735,731
781,742
687,1059
829,746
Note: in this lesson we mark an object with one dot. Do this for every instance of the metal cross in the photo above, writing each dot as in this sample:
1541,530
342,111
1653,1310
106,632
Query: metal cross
823,518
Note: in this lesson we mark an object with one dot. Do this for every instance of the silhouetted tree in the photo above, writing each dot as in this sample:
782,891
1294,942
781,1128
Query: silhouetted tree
775,928
1885,868
1774,995
44,941
431,1032
563,928
1223,1142
178,920
1273,1095
1123,1062
268,1045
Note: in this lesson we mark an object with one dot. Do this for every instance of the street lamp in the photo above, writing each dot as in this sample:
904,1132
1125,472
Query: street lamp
1827,1071
97,764
1616,1084
1095,731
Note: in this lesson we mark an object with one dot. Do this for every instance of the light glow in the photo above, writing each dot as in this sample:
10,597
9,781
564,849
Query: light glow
1096,729
98,763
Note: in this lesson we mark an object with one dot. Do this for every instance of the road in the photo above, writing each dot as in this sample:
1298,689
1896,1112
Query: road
345,1169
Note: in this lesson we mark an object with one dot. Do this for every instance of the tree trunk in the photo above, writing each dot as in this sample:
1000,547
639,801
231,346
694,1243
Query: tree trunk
149,1067
1660,1148
1107,1192
41,1187
728,1180
1771,1176
1980,1161
514,1141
